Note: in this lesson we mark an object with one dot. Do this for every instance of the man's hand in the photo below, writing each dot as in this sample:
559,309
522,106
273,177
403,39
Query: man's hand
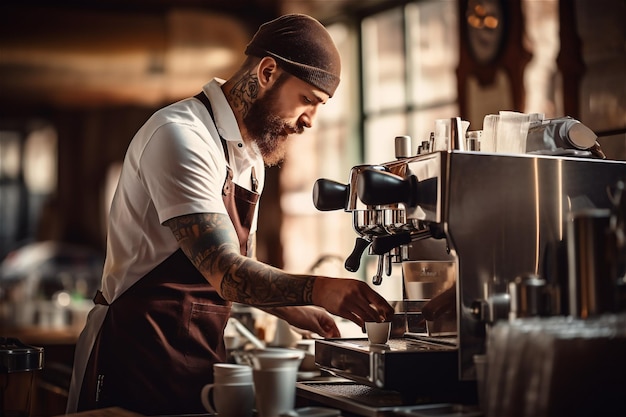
310,318
440,304
351,299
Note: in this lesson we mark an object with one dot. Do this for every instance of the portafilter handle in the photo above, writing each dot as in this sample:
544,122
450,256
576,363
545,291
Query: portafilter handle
382,188
330,195
353,262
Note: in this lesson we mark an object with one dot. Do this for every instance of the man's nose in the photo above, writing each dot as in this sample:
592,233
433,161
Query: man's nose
308,117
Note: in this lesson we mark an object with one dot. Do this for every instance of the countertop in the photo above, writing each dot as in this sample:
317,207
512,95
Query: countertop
104,412
120,412
38,335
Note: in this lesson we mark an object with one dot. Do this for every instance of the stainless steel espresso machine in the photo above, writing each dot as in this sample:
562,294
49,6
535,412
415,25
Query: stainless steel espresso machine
465,227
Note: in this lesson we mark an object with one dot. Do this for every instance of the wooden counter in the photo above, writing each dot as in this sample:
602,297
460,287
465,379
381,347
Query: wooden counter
39,336
104,412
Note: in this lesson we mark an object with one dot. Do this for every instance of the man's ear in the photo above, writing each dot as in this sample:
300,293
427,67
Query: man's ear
267,71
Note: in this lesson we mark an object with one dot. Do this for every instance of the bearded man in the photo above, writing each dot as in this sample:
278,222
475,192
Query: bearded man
180,240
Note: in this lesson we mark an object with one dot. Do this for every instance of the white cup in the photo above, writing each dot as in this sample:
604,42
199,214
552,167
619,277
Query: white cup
275,374
378,333
442,133
229,399
275,390
229,373
232,393
270,358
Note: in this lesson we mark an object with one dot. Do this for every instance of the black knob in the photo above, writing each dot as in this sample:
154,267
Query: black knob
330,195
382,188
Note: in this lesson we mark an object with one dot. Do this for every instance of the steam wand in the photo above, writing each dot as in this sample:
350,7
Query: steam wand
383,245
384,263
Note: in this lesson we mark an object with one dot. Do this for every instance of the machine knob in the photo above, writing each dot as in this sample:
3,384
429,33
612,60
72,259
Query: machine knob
495,307
381,188
330,195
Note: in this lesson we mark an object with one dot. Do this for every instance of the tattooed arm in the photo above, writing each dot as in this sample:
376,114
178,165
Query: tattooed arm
210,242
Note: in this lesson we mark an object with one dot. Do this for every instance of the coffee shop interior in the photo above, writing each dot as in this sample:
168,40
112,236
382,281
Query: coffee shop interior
78,78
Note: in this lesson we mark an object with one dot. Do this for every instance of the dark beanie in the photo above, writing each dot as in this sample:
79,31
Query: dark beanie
303,47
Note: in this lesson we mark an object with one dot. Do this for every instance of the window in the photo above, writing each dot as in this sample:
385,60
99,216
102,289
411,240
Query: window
409,59
28,181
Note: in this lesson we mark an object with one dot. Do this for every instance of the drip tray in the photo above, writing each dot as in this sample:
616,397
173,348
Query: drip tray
354,399
348,396
399,365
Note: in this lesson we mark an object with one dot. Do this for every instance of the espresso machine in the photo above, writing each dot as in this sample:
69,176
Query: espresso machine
471,231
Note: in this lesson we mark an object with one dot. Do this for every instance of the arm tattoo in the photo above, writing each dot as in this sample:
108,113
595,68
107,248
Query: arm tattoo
210,242
244,92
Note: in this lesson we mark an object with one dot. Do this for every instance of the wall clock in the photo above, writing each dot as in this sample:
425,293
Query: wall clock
492,44
485,22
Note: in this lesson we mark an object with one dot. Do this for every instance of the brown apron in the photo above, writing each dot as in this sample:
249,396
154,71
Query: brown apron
163,335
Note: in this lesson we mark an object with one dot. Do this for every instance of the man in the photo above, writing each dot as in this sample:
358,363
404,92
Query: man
183,220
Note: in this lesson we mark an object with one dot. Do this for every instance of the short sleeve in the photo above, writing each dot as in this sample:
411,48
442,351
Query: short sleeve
183,172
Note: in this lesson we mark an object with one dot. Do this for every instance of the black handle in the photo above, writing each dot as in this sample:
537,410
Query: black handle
382,188
330,195
353,262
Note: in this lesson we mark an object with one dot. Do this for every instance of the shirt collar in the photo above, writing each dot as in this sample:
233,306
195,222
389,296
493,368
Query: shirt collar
225,120
227,127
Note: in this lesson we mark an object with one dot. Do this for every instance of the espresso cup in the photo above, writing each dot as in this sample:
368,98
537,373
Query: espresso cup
378,333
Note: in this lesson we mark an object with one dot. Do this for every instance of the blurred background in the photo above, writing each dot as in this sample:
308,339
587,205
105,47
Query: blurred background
78,78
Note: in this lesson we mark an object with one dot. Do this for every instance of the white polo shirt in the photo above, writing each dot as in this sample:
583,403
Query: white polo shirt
174,165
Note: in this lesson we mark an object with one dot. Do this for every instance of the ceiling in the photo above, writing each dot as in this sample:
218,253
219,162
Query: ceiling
146,52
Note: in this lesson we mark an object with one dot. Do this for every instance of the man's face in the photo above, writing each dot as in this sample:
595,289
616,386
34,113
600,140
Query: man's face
286,108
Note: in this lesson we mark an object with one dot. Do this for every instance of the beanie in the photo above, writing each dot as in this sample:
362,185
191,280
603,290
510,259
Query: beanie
303,47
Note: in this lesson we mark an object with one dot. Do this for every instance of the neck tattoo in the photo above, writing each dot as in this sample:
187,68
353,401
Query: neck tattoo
244,92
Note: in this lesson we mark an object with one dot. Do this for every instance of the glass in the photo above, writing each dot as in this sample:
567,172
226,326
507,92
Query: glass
432,52
380,134
384,61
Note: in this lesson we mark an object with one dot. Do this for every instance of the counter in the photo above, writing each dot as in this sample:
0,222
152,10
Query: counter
104,412
52,384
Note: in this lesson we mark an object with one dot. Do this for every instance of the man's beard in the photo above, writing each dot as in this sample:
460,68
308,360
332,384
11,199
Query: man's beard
269,131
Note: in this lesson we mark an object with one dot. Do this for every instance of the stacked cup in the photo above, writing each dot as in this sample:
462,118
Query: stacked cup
275,372
232,393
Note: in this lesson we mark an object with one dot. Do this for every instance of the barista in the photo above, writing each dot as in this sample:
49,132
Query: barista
181,231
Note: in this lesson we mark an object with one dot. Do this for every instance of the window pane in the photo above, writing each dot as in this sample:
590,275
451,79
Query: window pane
432,51
380,134
40,160
10,155
383,61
